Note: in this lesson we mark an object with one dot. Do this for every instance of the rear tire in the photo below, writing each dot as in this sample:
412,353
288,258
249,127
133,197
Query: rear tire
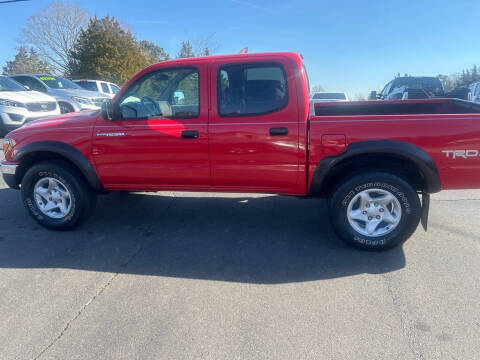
375,211
56,196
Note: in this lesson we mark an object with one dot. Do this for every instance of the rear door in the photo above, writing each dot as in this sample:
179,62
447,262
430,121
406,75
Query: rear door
254,129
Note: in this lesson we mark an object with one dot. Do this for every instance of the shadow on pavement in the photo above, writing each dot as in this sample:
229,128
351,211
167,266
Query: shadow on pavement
263,240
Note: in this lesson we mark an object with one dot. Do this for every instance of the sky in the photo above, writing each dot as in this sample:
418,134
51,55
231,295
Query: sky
348,45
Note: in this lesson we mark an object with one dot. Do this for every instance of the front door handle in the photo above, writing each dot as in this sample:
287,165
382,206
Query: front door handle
190,134
280,131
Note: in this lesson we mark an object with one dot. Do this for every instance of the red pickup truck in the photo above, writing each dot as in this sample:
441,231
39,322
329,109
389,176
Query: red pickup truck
244,123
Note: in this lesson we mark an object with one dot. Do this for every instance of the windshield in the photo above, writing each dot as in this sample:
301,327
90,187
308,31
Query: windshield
56,82
7,84
329,96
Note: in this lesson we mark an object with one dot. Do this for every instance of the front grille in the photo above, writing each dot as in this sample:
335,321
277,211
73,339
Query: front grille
99,101
16,117
42,106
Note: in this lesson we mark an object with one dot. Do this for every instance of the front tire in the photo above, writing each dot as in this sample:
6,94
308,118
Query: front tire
56,196
375,211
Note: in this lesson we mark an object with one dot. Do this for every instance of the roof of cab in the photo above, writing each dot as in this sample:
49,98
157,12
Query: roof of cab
215,58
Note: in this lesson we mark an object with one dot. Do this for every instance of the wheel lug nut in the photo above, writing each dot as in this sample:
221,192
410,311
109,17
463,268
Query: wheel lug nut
364,212
367,206
382,210
378,217
376,204
369,218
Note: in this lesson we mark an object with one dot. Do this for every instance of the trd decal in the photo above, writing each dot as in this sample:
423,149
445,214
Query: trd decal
462,154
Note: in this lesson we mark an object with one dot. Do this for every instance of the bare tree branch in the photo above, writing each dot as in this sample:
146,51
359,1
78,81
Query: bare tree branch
53,32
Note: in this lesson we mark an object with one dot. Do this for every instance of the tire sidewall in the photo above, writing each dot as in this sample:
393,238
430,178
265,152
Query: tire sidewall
406,196
28,184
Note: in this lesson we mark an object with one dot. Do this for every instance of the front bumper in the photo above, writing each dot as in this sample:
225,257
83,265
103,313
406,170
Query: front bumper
9,171
13,118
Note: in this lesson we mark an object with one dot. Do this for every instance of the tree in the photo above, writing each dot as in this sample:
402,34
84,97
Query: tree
205,45
152,52
108,51
186,50
317,88
53,32
26,61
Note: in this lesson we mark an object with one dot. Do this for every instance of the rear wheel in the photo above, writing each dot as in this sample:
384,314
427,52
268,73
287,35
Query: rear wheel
375,211
56,195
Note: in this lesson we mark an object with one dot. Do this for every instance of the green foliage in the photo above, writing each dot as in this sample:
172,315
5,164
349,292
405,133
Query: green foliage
153,52
26,61
107,51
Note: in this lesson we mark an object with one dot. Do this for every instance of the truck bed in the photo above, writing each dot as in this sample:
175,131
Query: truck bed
447,129
404,107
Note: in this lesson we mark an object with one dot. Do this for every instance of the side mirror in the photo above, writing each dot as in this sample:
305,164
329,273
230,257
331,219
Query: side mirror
107,110
373,95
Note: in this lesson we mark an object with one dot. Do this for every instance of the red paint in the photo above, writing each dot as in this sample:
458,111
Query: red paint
238,153
333,144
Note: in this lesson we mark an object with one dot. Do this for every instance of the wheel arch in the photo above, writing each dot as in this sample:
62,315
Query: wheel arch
35,152
403,158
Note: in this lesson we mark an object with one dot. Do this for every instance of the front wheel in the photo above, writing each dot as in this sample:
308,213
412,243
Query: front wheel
375,211
56,195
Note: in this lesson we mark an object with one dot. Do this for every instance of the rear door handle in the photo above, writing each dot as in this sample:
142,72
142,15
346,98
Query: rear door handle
190,134
280,131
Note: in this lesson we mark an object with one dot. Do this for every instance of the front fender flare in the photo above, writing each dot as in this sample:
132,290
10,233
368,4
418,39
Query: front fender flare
67,151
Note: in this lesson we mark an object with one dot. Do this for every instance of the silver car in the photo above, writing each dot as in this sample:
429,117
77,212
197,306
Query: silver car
70,96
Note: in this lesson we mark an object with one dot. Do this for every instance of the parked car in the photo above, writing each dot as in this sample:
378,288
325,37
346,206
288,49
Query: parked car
329,96
103,87
410,87
70,96
475,92
244,125
17,105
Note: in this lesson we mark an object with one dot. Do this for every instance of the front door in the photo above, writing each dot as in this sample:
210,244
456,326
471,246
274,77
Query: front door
158,138
254,128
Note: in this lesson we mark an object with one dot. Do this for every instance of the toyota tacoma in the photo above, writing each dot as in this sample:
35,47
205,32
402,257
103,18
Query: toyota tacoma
244,123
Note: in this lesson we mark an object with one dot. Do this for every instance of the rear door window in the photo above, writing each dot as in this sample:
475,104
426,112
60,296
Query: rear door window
88,85
105,88
251,89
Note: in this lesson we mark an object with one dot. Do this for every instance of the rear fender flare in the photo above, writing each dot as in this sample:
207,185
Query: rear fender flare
418,156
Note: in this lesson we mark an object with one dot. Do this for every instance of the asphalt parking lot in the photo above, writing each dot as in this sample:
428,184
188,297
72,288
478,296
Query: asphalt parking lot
235,276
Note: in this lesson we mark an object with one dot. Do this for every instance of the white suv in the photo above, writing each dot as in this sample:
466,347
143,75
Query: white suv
475,91
18,105
104,87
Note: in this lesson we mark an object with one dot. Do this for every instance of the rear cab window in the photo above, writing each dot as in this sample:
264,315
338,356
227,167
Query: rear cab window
88,85
249,89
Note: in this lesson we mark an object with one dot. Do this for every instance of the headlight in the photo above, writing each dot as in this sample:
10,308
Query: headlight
7,145
82,100
6,102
